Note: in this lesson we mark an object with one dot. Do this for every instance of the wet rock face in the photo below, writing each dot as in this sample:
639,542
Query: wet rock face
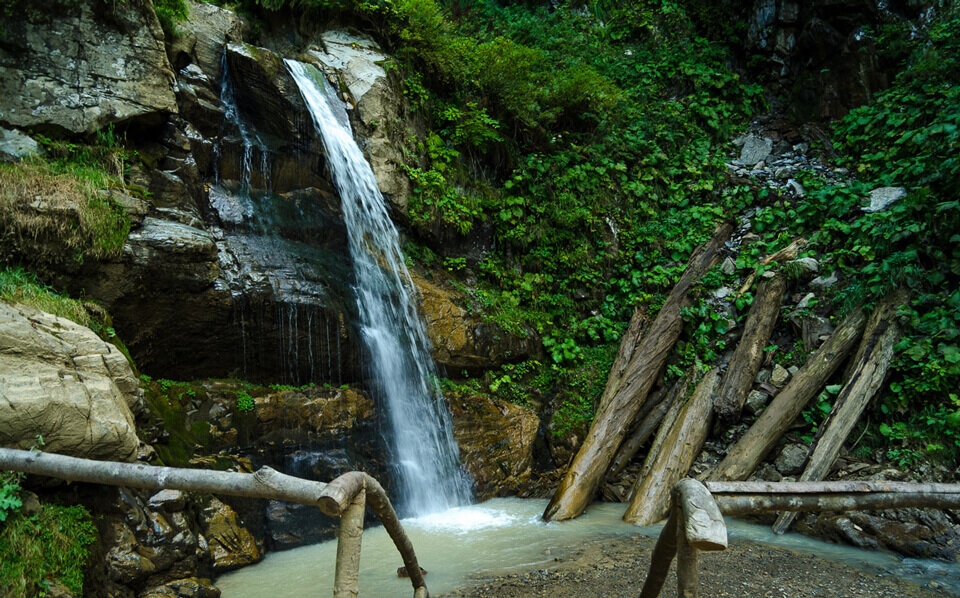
231,545
59,380
462,341
496,442
355,62
77,67
823,50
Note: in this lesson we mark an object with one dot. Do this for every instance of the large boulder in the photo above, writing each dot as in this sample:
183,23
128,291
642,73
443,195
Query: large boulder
355,61
60,381
461,340
496,441
76,67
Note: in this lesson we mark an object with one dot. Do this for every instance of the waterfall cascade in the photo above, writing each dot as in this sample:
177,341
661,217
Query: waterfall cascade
425,454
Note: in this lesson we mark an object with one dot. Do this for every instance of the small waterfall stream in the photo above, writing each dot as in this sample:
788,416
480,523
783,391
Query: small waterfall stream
425,454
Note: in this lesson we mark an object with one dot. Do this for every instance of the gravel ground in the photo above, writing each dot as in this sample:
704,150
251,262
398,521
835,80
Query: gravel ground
616,567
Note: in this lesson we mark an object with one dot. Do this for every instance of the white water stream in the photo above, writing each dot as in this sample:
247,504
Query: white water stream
507,534
424,451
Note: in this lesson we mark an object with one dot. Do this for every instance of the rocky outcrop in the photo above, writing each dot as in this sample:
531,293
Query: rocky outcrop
461,340
354,63
61,382
15,146
77,67
496,442
231,545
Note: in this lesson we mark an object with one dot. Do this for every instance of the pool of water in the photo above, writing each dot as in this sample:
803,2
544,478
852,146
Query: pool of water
504,535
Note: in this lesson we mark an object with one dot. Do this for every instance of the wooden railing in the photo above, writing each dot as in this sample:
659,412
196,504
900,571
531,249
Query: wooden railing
696,516
345,497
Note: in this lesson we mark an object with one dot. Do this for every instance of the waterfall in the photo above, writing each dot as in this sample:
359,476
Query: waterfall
425,454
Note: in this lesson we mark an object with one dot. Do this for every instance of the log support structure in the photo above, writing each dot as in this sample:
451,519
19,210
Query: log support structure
696,521
345,497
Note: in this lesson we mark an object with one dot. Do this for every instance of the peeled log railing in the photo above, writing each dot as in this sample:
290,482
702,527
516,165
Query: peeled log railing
345,497
696,516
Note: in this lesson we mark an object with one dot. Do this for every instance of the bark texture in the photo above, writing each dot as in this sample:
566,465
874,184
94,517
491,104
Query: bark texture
750,450
682,444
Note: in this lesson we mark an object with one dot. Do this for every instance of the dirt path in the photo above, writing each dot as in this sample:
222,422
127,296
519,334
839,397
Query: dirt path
616,567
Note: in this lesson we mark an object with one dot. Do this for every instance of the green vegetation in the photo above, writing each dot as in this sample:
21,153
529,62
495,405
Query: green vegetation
45,548
19,286
58,208
908,137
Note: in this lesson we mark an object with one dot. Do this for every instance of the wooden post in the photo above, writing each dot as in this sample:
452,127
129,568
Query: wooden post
613,420
868,373
649,502
703,524
346,580
663,553
687,579
747,453
647,427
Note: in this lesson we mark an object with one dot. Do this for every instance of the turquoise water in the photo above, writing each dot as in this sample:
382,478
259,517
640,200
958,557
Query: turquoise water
504,535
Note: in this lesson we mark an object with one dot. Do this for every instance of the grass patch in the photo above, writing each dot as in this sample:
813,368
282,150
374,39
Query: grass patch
45,548
52,210
19,286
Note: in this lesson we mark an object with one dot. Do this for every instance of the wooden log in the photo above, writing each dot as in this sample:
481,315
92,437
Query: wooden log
647,427
748,356
666,426
840,487
612,421
635,330
663,553
687,579
265,483
789,252
868,374
745,504
703,525
650,500
750,450
346,578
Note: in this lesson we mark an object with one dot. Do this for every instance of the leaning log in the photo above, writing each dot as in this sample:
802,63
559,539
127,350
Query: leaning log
645,430
750,450
650,500
869,370
666,426
628,344
748,356
346,578
613,420
789,252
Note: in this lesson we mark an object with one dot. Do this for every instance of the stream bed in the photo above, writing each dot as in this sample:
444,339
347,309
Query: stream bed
505,535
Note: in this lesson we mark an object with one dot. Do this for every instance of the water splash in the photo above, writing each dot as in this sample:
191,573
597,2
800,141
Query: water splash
424,451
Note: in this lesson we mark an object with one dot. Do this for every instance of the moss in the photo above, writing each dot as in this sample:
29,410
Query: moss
43,549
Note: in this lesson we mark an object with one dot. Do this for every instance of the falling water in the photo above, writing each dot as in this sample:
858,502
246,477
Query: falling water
424,451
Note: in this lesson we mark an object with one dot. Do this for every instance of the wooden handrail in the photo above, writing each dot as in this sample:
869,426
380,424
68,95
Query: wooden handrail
695,522
344,497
